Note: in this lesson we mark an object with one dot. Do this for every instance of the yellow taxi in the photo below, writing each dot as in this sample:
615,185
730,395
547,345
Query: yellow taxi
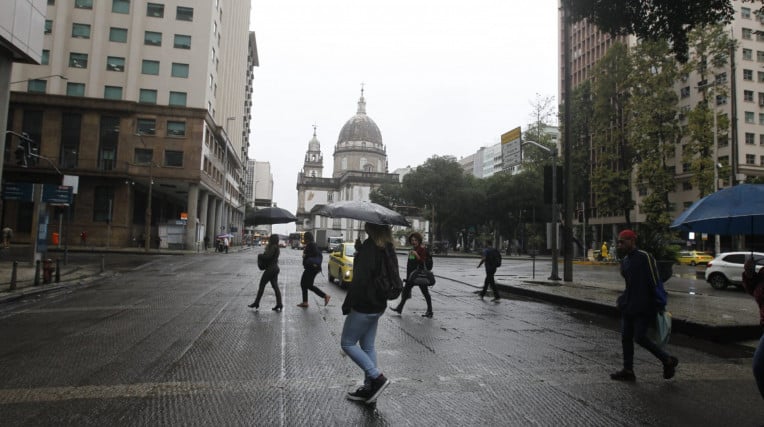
340,265
694,257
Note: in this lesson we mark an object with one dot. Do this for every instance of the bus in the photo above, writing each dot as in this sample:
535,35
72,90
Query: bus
297,240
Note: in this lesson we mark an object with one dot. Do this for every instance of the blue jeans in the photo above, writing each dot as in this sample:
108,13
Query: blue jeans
361,328
758,366
634,328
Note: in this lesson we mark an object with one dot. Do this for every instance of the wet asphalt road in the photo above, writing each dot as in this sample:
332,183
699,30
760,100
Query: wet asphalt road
171,342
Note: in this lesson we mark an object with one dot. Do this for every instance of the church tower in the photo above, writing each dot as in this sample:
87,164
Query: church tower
313,166
359,145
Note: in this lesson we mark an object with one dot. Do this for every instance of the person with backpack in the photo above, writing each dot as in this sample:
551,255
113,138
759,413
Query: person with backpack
270,274
638,306
418,258
311,261
491,257
363,306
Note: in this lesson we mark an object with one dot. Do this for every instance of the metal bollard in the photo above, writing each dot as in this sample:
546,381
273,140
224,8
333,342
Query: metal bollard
37,273
13,274
58,270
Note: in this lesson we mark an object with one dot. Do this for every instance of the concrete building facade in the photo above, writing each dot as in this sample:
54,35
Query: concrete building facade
150,112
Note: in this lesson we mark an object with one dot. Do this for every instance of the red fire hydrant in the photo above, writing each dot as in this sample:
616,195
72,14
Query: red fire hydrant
47,270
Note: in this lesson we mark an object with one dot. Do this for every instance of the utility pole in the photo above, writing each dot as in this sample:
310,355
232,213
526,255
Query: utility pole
567,241
555,214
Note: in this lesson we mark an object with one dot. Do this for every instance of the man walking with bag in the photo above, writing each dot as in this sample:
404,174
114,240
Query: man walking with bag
638,305
492,259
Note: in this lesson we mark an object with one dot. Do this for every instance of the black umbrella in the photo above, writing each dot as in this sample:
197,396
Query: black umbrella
363,211
272,216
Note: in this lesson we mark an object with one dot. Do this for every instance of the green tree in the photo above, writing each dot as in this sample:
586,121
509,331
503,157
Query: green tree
653,126
389,195
653,19
612,152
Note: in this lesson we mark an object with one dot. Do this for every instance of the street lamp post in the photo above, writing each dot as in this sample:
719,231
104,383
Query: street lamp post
147,218
555,253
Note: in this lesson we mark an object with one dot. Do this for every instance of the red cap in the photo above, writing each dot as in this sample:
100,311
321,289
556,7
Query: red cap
627,234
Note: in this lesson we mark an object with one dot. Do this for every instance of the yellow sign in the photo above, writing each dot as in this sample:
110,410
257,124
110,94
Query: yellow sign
510,136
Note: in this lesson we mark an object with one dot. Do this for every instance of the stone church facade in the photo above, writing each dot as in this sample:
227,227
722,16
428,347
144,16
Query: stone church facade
360,166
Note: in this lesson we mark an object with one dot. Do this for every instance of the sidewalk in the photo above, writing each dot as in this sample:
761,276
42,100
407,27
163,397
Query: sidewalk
699,315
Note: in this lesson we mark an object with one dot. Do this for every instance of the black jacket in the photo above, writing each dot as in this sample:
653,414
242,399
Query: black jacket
641,276
362,296
271,256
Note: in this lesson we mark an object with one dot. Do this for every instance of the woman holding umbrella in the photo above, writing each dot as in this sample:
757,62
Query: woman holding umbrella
271,273
311,260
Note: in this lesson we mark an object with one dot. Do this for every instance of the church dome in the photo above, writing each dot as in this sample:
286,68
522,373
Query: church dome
360,127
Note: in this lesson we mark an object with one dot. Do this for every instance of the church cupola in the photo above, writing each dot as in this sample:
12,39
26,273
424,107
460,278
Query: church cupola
314,160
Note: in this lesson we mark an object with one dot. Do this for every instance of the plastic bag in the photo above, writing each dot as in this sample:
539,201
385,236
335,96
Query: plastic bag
660,332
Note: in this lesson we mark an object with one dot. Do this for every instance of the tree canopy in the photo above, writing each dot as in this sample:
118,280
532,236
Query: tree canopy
654,19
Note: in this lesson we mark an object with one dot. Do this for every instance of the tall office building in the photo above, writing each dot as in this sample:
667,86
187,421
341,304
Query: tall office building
147,104
736,92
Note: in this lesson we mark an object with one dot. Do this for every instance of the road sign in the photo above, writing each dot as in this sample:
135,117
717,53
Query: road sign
57,195
22,191
511,153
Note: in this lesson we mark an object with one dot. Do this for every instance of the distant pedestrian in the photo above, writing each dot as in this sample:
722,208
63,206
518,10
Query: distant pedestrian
84,238
638,307
417,259
753,283
491,258
604,251
226,243
270,274
7,236
206,242
311,261
363,307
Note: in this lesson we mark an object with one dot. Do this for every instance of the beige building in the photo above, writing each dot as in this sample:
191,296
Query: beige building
147,105
739,96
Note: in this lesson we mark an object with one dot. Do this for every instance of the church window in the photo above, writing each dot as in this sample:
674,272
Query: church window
363,163
379,166
312,157
330,197
368,167
313,174
344,163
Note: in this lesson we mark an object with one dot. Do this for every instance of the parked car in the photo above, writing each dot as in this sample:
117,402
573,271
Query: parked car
727,268
340,265
694,258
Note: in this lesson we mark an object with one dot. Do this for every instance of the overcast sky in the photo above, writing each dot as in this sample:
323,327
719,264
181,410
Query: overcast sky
440,77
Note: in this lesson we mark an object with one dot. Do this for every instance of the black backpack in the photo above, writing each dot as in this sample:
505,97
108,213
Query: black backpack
388,282
428,261
494,256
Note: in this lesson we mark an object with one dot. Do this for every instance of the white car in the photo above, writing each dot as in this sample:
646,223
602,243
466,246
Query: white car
727,268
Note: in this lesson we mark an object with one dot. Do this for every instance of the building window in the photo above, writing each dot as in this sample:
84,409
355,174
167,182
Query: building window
761,139
71,125
748,95
155,10
103,199
143,155
748,75
45,58
109,137
745,12
48,26
146,126
184,13
182,41
686,186
36,86
78,60
748,54
118,35
51,2
747,33
179,70
759,56
81,31
721,100
75,89
178,98
112,92
749,117
173,158
761,160
120,6
684,92
761,118
750,159
83,4
147,96
115,63
176,128
152,38
760,76
750,138
150,67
